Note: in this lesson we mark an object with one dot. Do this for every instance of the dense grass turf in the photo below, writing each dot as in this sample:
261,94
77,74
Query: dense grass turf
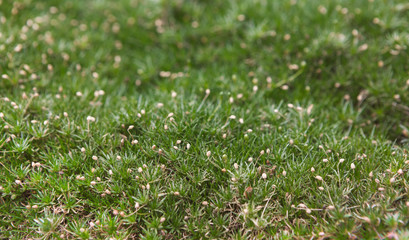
204,119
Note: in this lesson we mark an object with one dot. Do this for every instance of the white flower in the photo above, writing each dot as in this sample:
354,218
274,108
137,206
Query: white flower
264,176
90,119
208,154
352,166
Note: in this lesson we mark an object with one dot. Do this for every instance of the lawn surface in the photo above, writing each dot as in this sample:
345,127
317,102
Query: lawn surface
195,119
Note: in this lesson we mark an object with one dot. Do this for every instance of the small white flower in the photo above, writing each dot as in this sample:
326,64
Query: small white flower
284,173
90,119
207,91
352,166
110,172
319,178
134,142
312,169
392,180
208,154
188,146
264,176
341,160
325,160
236,166
94,158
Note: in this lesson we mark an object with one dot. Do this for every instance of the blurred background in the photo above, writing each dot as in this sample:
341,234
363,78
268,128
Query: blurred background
286,50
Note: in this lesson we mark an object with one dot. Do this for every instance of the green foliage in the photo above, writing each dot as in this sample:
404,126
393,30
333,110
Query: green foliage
196,119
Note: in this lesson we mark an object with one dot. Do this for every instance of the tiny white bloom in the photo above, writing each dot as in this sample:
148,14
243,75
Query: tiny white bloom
392,180
90,119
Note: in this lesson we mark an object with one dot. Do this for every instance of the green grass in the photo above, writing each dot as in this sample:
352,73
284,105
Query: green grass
195,119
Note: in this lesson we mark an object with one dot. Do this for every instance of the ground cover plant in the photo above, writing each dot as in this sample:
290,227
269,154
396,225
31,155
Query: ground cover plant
195,119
